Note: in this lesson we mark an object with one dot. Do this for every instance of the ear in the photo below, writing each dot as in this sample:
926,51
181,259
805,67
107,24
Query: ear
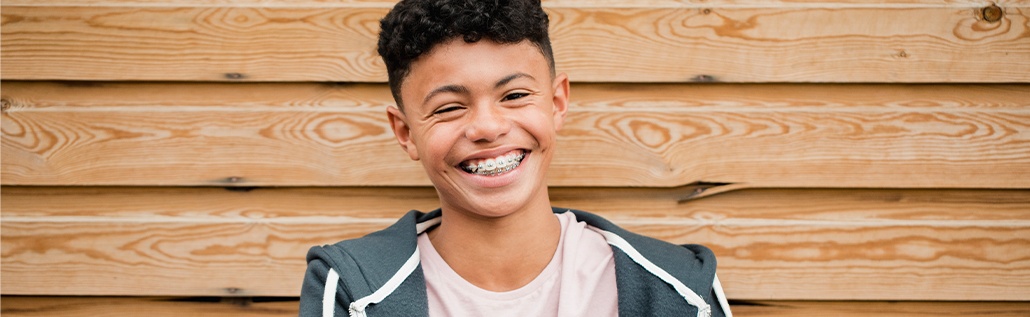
561,99
402,131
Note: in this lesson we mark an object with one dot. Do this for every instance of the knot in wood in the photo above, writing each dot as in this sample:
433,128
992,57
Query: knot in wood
992,13
5,104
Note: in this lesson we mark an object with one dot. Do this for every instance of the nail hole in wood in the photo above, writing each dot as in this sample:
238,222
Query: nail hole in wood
703,78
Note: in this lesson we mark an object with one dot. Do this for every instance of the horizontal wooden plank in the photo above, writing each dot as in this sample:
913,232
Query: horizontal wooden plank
383,205
30,306
546,3
771,244
603,41
867,308
929,136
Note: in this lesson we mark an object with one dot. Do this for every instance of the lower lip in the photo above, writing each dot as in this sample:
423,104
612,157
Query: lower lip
498,180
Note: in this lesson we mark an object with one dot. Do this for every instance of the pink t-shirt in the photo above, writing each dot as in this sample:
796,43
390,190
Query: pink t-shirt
579,281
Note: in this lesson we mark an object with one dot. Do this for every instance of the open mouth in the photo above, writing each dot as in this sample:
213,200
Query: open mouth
496,165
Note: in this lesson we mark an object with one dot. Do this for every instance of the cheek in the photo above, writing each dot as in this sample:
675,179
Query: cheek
541,126
436,145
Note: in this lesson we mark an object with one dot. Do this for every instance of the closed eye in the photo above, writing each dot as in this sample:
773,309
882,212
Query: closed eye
446,110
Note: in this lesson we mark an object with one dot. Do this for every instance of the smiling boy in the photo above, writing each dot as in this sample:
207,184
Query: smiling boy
479,104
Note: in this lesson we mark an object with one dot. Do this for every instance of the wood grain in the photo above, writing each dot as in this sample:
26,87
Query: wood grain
727,41
212,206
546,3
866,308
27,306
771,244
30,306
917,136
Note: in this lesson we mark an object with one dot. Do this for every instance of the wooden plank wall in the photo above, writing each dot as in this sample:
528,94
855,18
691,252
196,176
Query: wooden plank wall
841,157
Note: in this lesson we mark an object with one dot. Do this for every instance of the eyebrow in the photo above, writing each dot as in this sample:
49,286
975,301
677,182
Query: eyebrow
509,78
458,89
448,88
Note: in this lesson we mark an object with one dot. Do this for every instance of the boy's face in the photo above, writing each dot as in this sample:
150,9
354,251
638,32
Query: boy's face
489,106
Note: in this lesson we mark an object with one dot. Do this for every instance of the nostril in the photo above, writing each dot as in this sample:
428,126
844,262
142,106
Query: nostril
487,127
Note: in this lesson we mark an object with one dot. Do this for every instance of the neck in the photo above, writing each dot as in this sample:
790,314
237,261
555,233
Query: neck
502,253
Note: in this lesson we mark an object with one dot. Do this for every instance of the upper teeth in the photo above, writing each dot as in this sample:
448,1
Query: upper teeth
496,165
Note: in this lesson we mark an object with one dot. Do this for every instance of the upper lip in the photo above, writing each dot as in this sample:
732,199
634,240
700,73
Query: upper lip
491,153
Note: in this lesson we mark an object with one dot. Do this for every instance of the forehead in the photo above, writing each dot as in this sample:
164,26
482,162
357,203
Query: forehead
472,65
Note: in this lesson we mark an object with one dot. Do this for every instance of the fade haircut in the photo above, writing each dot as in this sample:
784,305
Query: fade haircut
414,27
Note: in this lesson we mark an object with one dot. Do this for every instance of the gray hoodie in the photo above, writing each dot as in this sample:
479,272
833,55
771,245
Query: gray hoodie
380,275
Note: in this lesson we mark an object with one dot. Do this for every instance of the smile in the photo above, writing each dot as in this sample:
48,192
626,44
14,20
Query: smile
494,166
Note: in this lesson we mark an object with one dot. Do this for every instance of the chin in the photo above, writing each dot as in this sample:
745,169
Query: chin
498,210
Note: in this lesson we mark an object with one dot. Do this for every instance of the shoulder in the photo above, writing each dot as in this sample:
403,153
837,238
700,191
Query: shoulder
350,271
374,257
645,265
690,263
651,248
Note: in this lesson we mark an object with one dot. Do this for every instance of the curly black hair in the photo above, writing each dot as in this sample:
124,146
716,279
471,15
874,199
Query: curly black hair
414,27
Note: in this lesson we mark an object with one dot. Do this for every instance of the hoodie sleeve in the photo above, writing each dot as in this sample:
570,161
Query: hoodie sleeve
314,293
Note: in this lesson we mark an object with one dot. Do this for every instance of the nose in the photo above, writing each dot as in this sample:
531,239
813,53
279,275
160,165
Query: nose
487,124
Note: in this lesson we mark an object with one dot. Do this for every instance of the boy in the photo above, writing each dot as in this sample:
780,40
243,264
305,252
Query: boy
479,105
